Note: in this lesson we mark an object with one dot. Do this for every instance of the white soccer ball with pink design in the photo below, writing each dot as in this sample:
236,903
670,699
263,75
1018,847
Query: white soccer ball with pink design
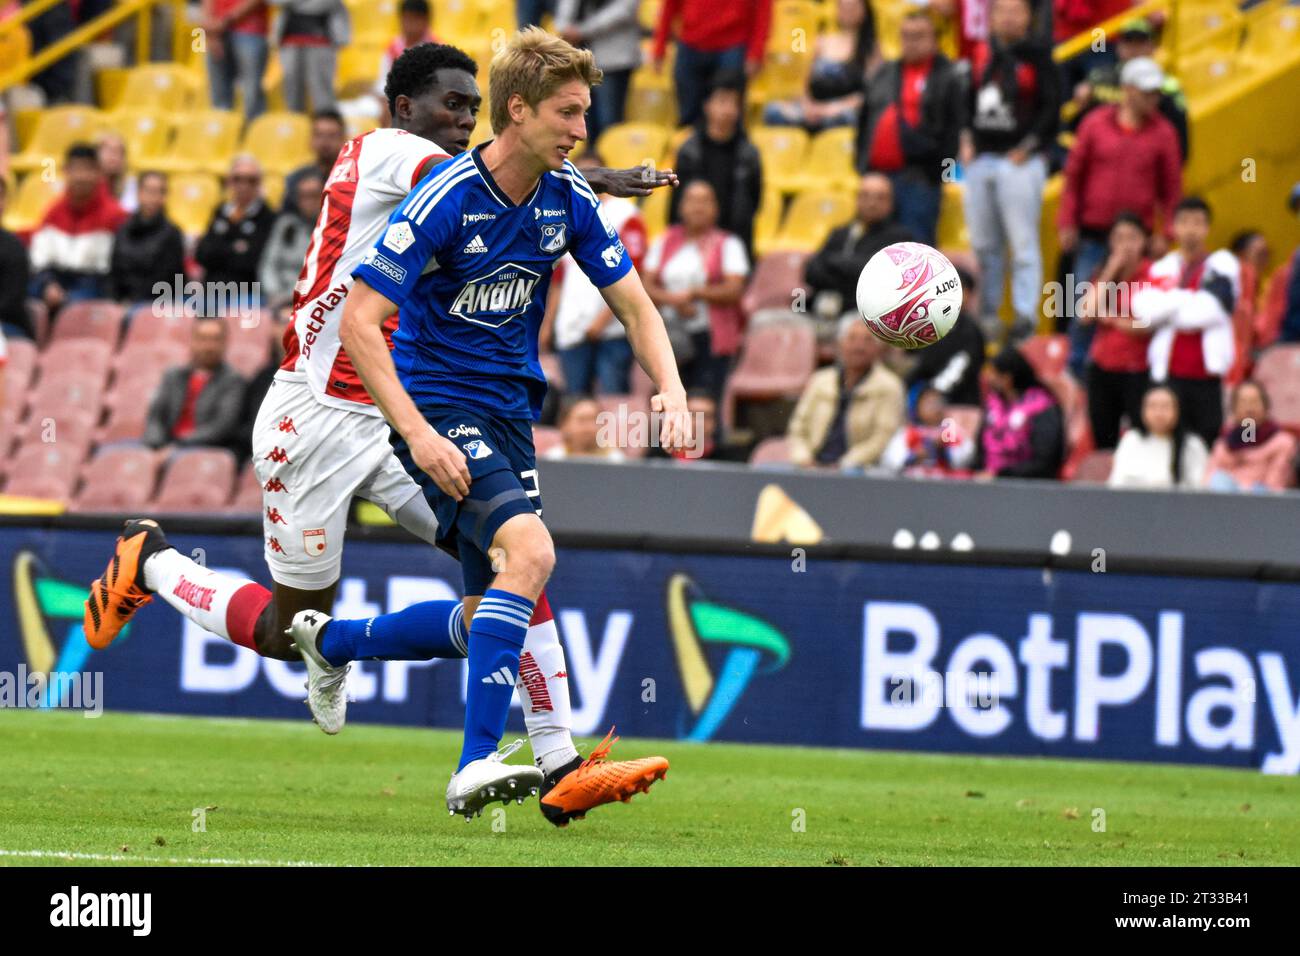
909,294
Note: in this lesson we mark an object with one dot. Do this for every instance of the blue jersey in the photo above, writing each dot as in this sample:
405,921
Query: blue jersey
469,271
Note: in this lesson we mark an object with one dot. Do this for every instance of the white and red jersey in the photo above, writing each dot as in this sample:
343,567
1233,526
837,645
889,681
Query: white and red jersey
372,175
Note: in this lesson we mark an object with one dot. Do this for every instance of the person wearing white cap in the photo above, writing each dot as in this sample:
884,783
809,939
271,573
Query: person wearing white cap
1125,159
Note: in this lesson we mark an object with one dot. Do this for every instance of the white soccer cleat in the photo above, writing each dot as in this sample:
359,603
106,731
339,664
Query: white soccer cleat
327,685
490,778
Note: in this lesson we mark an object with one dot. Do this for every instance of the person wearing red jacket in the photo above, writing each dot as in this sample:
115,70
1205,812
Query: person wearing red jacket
711,36
1126,158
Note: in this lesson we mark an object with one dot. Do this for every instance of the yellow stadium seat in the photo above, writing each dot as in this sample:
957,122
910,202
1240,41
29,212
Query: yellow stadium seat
784,76
951,228
1207,76
110,81
146,136
679,136
784,150
375,21
648,14
654,209
830,159
358,70
794,23
281,141
768,221
1195,20
27,204
191,200
15,45
1274,36
157,86
655,105
645,76
203,142
811,217
459,20
273,189
630,144
56,130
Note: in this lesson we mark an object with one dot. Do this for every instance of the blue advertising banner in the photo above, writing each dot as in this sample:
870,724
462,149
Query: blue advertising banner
708,647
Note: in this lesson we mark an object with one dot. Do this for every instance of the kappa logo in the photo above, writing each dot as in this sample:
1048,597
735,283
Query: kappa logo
477,450
273,516
313,541
553,237
275,546
389,268
476,245
399,237
274,484
279,456
463,431
502,676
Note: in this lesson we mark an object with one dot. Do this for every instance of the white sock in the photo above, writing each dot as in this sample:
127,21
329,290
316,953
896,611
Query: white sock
200,594
543,689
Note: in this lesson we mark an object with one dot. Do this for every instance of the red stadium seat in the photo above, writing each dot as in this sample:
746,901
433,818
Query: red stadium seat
771,451
544,439
93,319
72,423
39,313
197,480
1048,354
1095,467
1278,370
775,362
118,479
56,394
18,373
148,361
83,358
149,325
774,280
248,493
45,470
249,347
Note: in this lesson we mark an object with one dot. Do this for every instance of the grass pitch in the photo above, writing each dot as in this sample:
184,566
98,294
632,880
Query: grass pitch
126,789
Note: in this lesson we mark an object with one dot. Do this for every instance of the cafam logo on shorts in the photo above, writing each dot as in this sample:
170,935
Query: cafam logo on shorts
494,299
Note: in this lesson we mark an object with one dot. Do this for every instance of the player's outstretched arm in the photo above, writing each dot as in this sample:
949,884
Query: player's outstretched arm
628,300
625,183
362,335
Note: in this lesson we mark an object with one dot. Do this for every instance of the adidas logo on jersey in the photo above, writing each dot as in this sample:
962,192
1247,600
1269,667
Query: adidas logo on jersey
476,245
502,676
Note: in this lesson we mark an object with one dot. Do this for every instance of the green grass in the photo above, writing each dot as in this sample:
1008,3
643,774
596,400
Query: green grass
126,785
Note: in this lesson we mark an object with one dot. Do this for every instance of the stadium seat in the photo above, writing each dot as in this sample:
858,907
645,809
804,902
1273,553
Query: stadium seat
1211,74
1048,354
767,222
1278,370
31,199
98,319
192,199
793,20
71,424
811,217
273,189
829,163
1274,36
784,150
248,493
651,104
376,22
654,210
775,362
146,136
203,142
164,87
201,479
544,439
771,451
249,346
784,75
280,141
147,325
118,479
774,281
19,369
39,313
56,129
45,470
1095,467
358,68
631,144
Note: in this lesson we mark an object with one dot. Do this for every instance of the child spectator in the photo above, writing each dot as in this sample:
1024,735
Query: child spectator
1159,451
929,444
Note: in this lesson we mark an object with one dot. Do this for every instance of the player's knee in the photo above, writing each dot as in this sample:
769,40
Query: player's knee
524,553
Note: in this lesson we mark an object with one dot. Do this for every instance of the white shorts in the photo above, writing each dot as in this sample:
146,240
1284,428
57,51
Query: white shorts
311,459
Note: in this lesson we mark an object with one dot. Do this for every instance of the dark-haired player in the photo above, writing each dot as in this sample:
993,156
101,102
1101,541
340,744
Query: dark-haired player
319,440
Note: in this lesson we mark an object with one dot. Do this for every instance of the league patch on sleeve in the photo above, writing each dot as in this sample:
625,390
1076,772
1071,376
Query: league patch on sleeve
399,237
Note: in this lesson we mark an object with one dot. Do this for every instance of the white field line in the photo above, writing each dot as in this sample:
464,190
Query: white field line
120,858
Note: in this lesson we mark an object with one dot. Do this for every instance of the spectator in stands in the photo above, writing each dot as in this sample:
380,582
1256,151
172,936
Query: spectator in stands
580,432
198,403
833,96
1118,369
414,18
931,443
609,28
286,248
591,343
1125,158
235,36
695,273
309,34
720,152
1254,453
1023,434
832,273
328,134
1013,105
1251,249
112,163
1189,305
148,247
711,37
952,365
72,248
14,277
703,409
231,249
849,411
1159,451
909,125
971,22
1137,38
530,12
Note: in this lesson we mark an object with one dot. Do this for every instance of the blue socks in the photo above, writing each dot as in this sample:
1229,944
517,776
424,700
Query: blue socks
496,639
417,633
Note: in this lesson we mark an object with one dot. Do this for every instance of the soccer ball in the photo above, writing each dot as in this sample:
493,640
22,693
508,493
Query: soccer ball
909,295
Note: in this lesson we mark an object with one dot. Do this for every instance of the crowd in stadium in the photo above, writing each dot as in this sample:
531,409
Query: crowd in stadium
780,368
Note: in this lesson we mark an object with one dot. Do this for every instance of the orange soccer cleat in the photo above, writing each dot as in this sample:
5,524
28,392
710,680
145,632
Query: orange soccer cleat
583,785
119,592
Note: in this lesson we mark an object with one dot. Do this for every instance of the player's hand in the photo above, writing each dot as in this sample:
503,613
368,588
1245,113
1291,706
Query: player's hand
442,461
675,427
635,181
